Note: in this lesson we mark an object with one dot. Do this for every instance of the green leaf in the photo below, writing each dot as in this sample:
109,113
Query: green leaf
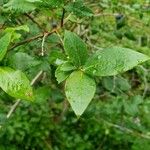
79,89
67,66
112,61
14,31
18,28
116,84
75,48
15,83
20,6
79,9
4,43
63,71
61,75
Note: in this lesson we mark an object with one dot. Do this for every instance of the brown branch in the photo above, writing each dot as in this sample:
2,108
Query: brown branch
39,35
32,39
62,18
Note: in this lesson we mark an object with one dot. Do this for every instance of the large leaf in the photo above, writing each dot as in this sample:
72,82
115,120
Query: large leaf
80,89
112,61
15,83
4,43
75,48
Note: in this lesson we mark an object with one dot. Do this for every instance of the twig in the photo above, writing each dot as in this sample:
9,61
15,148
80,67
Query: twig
13,108
62,18
43,41
36,78
39,35
31,39
114,83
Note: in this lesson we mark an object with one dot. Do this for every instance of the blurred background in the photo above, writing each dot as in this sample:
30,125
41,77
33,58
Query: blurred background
118,118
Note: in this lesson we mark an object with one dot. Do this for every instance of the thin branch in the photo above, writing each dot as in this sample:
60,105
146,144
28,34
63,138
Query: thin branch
43,41
31,39
36,78
39,35
13,108
62,18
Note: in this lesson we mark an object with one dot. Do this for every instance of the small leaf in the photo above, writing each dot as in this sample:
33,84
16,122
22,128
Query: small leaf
61,75
79,89
112,61
4,43
79,9
15,83
75,48
67,66
14,31
63,71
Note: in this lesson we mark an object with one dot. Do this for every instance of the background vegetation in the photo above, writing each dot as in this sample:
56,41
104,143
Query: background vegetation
118,116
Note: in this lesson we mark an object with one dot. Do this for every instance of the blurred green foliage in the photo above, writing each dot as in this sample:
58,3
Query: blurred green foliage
117,118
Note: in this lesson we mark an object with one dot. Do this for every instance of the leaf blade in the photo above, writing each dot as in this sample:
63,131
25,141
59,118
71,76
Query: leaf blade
15,83
112,61
4,43
75,48
79,89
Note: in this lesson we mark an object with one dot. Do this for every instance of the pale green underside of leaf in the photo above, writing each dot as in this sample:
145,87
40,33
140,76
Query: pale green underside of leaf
61,75
79,89
112,61
15,83
4,43
75,48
